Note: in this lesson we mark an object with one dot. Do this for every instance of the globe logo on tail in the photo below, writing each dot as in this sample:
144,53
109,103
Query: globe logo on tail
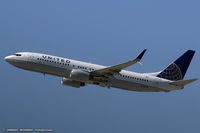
172,72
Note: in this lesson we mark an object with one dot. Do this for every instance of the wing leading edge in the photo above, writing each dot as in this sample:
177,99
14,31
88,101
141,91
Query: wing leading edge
117,68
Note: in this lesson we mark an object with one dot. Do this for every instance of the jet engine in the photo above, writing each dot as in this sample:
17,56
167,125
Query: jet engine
79,75
76,84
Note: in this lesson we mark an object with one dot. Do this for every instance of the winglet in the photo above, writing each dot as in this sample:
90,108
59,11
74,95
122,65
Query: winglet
141,54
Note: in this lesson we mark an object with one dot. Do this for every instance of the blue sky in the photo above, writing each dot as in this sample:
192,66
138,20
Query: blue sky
105,32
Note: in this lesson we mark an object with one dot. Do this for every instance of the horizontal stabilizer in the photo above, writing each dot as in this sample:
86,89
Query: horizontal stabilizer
183,82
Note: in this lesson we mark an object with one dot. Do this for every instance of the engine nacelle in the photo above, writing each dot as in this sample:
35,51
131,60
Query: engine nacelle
76,84
79,75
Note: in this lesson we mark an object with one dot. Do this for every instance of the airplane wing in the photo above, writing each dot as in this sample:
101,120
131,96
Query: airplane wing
117,68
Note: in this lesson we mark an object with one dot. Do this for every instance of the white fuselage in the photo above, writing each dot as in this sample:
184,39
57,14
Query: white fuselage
62,67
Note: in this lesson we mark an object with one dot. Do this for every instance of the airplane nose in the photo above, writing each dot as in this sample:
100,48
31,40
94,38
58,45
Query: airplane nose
7,58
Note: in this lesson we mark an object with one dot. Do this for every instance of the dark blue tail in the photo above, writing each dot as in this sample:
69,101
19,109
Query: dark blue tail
176,70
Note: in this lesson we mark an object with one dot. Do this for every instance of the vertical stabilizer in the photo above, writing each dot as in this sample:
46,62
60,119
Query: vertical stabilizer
176,70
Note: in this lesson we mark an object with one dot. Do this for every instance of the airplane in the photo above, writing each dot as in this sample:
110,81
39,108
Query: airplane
77,73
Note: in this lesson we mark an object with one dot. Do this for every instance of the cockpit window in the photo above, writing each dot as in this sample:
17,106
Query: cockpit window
18,54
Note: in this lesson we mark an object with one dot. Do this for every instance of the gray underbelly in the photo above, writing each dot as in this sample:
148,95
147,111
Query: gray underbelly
44,68
133,86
